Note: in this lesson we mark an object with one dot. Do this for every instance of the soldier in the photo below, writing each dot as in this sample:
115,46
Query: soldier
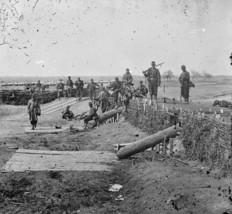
127,78
92,114
67,113
34,111
117,87
69,86
38,86
141,91
92,87
154,80
127,96
60,89
185,84
103,99
79,87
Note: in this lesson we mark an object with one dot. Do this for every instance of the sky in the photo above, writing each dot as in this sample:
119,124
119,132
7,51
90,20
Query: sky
89,37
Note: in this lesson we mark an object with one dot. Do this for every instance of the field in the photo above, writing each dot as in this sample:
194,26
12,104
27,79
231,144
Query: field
151,183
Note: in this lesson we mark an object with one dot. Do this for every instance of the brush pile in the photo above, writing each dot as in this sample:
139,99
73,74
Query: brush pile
148,118
207,139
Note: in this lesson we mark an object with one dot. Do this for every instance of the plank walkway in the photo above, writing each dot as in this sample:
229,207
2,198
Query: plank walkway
42,160
45,130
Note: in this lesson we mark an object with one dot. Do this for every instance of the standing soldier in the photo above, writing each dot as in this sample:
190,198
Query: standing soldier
92,87
127,78
117,87
185,84
103,99
39,86
60,89
79,87
34,111
69,86
141,91
154,80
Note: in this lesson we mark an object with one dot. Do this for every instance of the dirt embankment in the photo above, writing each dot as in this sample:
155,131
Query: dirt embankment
152,185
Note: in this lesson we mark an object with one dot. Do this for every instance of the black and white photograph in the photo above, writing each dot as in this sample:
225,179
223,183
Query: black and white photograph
115,107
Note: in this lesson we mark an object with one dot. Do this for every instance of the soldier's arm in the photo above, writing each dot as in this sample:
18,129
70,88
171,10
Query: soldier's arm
146,73
124,78
28,106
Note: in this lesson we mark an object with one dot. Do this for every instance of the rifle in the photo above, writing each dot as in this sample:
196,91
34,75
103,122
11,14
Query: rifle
160,64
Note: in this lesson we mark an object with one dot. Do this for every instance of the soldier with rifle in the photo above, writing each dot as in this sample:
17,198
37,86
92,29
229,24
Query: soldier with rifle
154,80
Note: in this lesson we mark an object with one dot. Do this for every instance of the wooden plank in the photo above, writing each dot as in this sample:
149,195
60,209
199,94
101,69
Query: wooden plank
79,154
52,104
45,130
20,158
42,160
60,106
67,167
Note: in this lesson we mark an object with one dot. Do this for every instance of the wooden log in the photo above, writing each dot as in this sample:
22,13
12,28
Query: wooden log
147,142
107,115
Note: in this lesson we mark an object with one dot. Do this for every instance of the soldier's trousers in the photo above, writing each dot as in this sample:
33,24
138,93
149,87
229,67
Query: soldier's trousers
92,94
153,88
79,92
185,92
117,97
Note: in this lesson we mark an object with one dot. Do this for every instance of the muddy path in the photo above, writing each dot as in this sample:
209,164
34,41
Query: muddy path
151,184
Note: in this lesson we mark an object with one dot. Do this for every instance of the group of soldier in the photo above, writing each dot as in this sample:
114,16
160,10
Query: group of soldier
121,91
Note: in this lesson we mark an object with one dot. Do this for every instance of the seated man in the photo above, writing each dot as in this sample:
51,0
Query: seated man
67,114
141,91
127,78
92,114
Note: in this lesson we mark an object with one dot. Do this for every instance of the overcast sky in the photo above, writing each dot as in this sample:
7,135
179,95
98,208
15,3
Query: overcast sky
89,37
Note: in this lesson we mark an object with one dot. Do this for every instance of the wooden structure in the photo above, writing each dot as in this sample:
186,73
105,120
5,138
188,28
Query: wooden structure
45,130
42,160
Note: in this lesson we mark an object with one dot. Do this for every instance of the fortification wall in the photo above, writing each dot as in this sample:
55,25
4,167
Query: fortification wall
205,137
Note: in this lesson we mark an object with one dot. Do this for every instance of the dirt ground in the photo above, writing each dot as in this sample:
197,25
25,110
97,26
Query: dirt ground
151,184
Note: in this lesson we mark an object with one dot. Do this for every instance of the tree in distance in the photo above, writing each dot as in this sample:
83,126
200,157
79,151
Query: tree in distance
168,75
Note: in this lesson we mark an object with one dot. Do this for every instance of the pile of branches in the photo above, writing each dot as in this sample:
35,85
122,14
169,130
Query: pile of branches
19,97
207,139
150,119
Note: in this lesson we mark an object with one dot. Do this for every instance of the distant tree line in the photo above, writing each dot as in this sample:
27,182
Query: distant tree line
196,75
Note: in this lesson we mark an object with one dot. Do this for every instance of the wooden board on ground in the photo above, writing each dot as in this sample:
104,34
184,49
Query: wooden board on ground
45,130
42,160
